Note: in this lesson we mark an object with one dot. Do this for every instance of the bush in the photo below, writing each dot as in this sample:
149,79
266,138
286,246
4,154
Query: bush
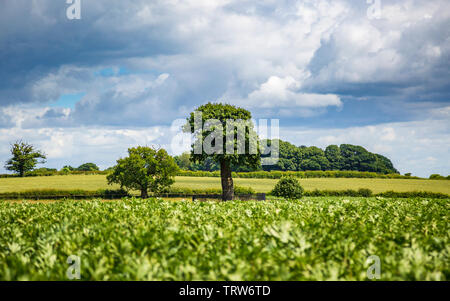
413,194
243,190
436,177
365,192
362,192
88,167
238,190
289,188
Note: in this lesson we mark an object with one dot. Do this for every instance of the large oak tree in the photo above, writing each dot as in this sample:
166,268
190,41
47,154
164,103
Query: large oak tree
245,152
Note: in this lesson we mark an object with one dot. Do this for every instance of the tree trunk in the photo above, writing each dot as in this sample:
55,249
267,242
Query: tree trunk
21,170
227,181
144,193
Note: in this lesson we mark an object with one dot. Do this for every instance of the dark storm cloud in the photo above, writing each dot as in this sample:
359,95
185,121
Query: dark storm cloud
212,52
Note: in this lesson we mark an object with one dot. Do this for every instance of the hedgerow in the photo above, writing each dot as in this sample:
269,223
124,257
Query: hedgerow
60,194
250,174
181,191
298,174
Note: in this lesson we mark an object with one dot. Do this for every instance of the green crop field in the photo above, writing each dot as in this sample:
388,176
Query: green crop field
311,239
94,182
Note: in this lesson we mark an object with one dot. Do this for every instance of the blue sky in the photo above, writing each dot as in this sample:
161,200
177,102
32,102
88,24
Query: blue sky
332,72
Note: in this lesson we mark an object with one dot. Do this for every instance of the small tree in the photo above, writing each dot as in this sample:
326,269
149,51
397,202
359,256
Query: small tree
144,169
88,167
183,161
289,188
215,119
25,157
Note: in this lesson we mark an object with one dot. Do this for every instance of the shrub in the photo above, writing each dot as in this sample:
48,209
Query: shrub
289,188
364,192
238,190
436,177
88,167
413,194
243,190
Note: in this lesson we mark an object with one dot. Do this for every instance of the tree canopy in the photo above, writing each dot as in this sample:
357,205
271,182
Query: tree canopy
88,167
25,157
144,169
302,158
343,157
225,136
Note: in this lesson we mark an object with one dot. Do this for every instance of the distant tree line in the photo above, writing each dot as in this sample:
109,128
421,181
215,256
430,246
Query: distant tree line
302,158
82,167
343,157
346,160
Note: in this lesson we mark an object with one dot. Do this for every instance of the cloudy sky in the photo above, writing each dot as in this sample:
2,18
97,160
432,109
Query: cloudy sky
375,74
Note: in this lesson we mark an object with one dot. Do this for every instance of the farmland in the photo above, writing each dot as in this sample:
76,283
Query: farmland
94,182
315,238
312,239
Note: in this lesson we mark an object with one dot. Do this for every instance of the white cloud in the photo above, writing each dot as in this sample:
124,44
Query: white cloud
405,44
270,56
281,92
74,146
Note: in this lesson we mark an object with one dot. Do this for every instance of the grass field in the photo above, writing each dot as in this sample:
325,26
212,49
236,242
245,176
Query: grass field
312,239
94,182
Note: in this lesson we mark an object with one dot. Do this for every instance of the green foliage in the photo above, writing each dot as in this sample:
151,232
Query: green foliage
183,161
222,113
51,194
347,157
276,174
437,177
42,172
413,194
88,167
312,239
288,188
333,155
66,170
238,190
25,157
43,194
144,169
362,192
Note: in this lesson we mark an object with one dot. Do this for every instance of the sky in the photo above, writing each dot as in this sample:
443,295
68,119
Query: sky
374,73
